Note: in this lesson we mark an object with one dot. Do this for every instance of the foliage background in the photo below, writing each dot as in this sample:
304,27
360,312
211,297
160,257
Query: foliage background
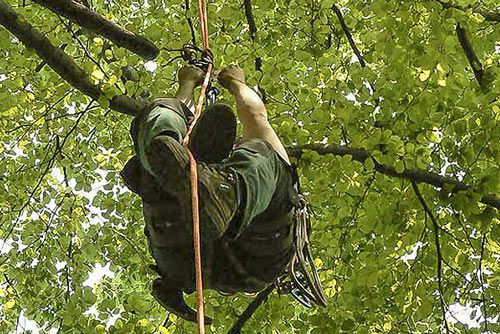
416,104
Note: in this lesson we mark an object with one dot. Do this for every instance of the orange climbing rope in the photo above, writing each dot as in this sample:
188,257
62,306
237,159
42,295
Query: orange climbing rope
193,173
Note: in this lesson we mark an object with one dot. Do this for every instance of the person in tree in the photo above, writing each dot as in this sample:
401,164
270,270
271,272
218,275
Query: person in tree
246,194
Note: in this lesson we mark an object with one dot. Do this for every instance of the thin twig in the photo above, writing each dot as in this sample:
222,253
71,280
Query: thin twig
438,251
348,35
250,19
187,7
84,48
481,281
50,163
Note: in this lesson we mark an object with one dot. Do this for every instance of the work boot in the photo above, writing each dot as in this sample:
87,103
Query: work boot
218,188
172,299
214,134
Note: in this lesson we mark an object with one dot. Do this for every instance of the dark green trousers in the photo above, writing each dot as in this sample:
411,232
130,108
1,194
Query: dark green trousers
265,210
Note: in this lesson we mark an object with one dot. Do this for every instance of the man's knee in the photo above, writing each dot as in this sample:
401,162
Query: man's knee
168,113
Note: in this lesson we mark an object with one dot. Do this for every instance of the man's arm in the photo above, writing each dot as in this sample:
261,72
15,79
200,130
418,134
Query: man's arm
251,110
189,78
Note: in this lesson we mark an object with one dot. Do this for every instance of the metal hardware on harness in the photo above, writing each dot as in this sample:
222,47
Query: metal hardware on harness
196,56
201,59
293,289
297,279
212,93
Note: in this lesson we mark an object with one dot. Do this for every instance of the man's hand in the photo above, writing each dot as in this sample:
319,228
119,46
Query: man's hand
231,76
190,74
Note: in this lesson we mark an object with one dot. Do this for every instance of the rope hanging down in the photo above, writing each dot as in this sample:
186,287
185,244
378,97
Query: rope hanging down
193,173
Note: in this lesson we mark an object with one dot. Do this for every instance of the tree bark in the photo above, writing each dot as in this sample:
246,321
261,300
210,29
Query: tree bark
94,22
414,175
250,19
348,34
60,62
488,15
477,67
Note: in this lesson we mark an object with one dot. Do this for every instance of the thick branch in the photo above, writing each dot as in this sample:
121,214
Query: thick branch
489,16
250,310
251,22
414,175
60,61
94,22
474,62
348,35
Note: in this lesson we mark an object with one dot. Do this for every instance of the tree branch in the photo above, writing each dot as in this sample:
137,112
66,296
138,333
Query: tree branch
355,49
190,22
438,252
348,35
260,299
60,62
250,19
94,22
414,175
474,62
481,281
488,15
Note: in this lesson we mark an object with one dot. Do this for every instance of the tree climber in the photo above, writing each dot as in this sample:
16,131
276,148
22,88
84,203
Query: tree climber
247,197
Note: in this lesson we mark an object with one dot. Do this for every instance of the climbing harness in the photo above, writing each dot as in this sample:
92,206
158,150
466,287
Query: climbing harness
301,278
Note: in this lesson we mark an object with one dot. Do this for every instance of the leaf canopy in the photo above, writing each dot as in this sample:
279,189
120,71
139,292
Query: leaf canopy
415,104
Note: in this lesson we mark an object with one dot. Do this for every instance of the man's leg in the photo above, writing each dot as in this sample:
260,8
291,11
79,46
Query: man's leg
157,133
251,110
189,78
166,116
218,187
261,161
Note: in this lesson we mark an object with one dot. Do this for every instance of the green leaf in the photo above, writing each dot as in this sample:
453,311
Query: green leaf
103,102
413,105
399,166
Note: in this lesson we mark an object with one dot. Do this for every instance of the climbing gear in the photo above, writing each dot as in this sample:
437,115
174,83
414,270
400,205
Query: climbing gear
212,94
202,11
301,278
214,135
195,56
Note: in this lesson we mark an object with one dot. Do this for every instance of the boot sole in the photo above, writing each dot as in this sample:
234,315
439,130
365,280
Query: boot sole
214,134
